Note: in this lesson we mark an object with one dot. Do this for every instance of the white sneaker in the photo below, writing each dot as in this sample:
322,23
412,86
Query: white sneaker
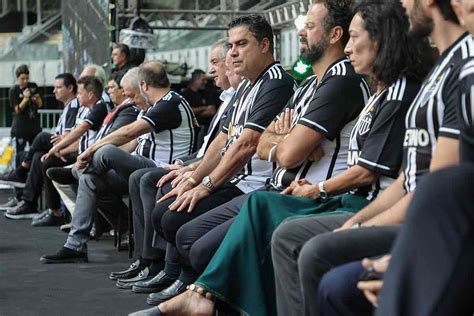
11,203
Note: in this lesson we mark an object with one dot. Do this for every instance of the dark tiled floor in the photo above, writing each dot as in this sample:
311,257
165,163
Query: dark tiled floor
28,287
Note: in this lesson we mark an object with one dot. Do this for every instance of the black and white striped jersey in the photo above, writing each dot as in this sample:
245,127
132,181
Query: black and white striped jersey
255,108
377,138
94,117
466,112
173,136
67,120
433,112
322,107
122,114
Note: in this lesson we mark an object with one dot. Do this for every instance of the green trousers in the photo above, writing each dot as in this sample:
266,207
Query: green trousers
241,271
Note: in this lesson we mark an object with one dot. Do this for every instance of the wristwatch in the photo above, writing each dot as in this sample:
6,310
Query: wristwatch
207,183
322,193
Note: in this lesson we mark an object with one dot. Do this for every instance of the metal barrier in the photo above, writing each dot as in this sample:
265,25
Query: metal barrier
49,118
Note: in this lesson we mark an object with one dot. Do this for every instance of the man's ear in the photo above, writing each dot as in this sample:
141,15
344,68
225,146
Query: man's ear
336,34
265,45
457,10
429,3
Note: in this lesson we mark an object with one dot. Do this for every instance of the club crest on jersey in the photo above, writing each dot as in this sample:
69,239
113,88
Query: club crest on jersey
364,126
431,91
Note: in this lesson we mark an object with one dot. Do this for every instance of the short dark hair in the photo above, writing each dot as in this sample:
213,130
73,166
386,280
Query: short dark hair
117,77
124,49
258,26
154,74
92,84
399,54
196,74
22,69
339,14
68,80
447,11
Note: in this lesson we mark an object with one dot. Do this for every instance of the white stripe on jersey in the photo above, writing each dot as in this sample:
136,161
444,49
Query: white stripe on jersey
256,125
410,181
167,145
374,164
80,118
450,130
465,115
365,91
467,70
314,124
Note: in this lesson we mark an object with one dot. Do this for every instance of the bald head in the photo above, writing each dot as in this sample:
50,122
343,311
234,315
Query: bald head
153,73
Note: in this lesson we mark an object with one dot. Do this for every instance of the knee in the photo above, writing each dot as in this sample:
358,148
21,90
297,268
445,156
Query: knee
134,180
338,293
330,287
36,158
199,257
151,178
170,226
104,152
334,286
258,197
183,243
314,255
48,163
87,180
156,217
280,236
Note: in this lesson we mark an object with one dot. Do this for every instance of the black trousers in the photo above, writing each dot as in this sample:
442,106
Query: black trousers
20,144
431,271
37,174
41,143
20,154
167,223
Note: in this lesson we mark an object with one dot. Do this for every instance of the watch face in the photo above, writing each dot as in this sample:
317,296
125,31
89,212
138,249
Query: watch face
206,181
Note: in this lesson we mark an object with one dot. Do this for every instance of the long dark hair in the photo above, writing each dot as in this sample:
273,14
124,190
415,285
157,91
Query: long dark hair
399,53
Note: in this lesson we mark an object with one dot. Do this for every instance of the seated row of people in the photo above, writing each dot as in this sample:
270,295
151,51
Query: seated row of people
406,125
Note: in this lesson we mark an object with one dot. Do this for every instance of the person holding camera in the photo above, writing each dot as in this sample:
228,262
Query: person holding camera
25,101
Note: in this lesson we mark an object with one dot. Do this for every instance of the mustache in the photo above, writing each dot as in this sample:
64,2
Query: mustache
303,40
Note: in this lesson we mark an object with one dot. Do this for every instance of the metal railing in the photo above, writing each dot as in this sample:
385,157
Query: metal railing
49,118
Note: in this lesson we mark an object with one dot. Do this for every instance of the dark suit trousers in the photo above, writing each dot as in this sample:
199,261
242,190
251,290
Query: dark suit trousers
432,266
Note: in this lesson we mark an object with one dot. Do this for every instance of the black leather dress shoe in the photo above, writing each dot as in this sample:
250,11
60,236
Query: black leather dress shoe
156,284
131,272
144,275
171,291
65,255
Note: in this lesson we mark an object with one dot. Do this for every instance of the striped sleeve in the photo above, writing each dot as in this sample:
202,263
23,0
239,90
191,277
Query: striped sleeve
272,96
382,151
467,94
